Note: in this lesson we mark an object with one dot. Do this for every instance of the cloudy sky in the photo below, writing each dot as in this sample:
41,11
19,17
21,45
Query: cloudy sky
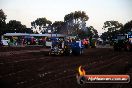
98,11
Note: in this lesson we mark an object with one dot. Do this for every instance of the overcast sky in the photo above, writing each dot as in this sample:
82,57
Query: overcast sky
98,11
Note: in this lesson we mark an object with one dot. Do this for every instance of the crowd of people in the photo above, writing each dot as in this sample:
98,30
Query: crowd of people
87,43
20,41
24,41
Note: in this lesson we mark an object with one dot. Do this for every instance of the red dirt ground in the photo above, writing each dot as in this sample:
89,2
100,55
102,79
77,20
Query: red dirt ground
32,68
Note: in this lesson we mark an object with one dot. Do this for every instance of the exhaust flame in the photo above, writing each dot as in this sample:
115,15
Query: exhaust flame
81,71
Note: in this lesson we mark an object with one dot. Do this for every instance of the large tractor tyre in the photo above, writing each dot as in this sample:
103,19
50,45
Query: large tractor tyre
115,48
128,47
68,52
77,51
118,47
81,52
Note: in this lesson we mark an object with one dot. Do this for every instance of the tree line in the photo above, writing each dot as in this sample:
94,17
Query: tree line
12,26
74,24
113,28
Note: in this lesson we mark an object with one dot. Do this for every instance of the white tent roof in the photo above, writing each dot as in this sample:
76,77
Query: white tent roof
16,34
25,34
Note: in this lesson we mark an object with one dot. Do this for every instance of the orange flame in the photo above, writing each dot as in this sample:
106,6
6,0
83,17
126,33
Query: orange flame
81,71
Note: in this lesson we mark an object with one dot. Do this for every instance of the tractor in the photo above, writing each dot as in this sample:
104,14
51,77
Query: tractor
123,42
64,47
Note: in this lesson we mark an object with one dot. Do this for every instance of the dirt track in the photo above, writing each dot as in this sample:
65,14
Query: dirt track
36,70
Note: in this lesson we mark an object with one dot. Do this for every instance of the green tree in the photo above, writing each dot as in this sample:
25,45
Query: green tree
42,24
111,26
57,26
2,23
76,21
28,30
16,27
2,16
92,32
112,29
77,15
127,27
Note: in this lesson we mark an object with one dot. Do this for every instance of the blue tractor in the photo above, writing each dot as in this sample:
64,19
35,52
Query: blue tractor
77,48
62,47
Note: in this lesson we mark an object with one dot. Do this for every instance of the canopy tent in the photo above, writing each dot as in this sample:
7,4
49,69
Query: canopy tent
25,34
